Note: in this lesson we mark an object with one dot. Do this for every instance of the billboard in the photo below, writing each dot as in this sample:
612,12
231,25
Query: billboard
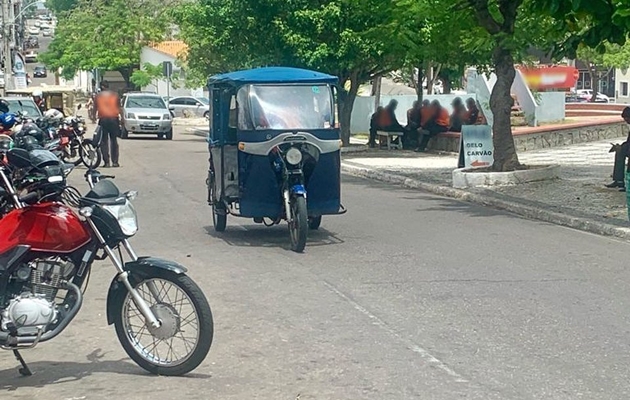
550,78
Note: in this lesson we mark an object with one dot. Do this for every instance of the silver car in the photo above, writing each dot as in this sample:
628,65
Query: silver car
146,113
188,106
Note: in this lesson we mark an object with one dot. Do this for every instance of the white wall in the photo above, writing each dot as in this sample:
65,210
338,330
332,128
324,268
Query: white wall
364,107
526,100
622,76
152,56
550,107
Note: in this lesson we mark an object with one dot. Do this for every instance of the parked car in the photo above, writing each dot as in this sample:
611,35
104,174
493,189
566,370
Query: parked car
587,94
2,83
193,106
40,72
146,113
47,32
25,105
33,30
30,56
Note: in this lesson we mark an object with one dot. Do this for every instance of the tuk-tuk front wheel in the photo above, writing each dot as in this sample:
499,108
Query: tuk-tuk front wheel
298,224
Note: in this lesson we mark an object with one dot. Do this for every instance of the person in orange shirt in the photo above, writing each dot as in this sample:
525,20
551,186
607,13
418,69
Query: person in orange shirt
385,120
108,113
436,121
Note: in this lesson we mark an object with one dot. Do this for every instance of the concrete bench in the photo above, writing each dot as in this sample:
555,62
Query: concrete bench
387,137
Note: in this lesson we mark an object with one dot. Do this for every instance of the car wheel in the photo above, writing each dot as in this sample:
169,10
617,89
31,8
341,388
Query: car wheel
206,115
169,134
160,136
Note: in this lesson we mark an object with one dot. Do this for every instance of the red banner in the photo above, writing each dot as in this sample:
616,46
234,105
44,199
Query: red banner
556,77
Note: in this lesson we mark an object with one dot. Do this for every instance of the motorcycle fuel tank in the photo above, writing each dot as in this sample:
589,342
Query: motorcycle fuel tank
49,227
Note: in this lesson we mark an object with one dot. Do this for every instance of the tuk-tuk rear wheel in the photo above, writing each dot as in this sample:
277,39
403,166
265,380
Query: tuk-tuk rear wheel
314,222
219,216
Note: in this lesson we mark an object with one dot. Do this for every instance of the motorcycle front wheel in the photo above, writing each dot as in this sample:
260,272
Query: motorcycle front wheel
298,225
185,334
90,155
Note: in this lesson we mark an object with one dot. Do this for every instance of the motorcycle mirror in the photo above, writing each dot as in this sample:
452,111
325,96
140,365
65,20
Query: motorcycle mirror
19,157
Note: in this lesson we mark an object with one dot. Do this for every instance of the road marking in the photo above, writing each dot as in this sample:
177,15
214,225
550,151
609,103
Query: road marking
431,359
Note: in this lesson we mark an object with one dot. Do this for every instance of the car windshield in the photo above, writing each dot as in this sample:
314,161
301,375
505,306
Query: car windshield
39,68
285,107
145,102
203,100
24,106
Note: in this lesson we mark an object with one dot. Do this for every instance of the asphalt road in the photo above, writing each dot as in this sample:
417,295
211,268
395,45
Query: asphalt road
408,295
44,42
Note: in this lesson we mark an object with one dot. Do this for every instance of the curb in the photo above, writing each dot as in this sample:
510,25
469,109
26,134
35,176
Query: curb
524,210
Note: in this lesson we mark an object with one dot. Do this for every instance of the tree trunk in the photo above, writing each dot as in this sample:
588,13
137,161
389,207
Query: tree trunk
346,103
419,90
430,78
505,158
376,91
592,71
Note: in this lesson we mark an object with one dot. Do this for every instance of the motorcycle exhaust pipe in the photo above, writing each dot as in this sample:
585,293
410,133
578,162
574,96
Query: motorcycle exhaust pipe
7,340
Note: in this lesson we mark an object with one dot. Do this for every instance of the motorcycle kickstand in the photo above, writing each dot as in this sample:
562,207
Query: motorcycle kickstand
25,370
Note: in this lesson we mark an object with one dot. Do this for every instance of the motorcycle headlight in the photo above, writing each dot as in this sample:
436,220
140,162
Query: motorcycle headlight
293,156
126,216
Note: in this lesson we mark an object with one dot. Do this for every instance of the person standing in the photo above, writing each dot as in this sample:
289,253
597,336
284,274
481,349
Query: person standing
108,114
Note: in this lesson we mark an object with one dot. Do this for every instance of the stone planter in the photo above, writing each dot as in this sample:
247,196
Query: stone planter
466,178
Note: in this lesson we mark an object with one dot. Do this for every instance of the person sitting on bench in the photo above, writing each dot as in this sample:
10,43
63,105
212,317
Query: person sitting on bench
622,151
386,121
459,115
474,116
438,121
410,140
374,126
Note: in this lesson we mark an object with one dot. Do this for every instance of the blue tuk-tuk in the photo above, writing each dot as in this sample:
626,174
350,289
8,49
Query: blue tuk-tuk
273,139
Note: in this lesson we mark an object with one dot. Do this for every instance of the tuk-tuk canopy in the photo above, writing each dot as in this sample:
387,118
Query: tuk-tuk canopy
44,89
268,75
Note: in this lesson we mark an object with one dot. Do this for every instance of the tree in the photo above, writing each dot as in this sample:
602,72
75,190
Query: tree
60,6
147,75
340,37
106,35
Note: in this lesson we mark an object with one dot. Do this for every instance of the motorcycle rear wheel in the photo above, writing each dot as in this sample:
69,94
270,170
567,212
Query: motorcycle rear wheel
90,155
70,158
185,316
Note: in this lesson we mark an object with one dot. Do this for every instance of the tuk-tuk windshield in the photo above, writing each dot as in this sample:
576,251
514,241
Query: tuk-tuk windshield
285,107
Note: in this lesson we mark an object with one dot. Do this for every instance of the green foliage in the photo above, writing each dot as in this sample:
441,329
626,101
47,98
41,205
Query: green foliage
145,76
60,6
340,37
592,23
104,34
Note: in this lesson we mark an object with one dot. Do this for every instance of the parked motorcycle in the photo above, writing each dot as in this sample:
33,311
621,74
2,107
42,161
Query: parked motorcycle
75,147
160,315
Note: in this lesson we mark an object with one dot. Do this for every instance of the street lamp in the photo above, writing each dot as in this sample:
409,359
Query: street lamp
7,23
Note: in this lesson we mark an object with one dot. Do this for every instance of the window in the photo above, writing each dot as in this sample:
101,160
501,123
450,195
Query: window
189,101
145,102
177,102
624,89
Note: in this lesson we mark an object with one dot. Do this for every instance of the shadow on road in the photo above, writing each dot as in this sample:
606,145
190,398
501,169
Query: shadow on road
58,372
277,236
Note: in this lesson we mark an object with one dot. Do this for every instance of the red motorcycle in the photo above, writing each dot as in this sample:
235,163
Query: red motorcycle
47,251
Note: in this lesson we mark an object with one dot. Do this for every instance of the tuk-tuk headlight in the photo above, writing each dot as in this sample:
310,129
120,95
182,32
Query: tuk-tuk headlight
293,156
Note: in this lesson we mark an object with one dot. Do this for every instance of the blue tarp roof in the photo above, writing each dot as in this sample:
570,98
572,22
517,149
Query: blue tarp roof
272,75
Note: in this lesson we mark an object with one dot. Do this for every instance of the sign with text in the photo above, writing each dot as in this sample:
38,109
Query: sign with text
476,145
553,77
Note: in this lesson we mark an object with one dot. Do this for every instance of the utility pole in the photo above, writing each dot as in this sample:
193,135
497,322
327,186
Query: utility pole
6,40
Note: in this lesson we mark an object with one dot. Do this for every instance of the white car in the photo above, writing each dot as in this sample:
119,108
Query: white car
30,56
33,30
47,32
587,94
188,106
1,79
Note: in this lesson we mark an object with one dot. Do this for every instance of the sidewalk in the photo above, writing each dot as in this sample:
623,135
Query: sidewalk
577,199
